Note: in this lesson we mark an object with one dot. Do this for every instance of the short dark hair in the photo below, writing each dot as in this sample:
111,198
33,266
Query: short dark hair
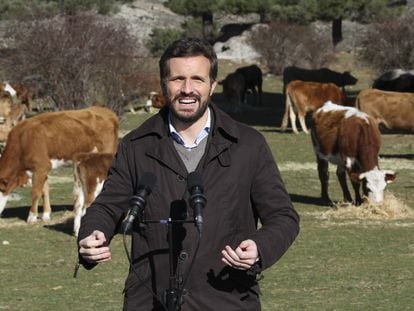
185,47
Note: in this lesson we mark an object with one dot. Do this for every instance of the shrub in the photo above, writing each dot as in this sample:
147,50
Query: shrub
390,44
284,44
80,58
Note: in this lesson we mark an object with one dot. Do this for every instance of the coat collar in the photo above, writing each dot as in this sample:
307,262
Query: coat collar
225,132
224,127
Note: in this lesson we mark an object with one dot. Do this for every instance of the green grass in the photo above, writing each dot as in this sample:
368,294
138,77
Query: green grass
337,264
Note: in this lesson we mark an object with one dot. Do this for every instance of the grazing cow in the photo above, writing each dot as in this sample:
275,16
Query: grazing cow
395,110
396,80
303,97
323,75
234,87
39,144
90,170
351,140
253,78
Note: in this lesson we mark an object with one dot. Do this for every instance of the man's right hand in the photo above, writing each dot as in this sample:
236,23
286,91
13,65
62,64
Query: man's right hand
92,250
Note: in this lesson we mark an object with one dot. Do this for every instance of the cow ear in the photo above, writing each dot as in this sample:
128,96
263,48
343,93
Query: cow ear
390,176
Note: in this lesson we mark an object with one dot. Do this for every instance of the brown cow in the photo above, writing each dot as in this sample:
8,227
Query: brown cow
351,140
39,144
21,93
90,170
395,110
303,97
10,115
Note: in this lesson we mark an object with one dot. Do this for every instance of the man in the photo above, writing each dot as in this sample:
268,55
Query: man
241,182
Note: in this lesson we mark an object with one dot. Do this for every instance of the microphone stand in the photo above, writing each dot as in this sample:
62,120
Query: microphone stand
173,296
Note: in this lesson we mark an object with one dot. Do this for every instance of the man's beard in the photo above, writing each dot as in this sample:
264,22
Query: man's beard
195,116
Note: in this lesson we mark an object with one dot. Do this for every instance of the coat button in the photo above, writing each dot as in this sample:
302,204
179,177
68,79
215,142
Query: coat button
180,178
183,256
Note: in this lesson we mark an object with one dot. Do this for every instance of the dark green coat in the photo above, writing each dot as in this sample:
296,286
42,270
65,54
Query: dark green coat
241,183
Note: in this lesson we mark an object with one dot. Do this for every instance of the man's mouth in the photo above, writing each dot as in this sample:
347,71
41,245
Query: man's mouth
187,100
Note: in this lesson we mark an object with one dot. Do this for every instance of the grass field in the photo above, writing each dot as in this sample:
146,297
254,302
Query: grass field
336,263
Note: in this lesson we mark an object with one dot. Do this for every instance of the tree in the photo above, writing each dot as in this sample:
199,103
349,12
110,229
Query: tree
197,8
334,11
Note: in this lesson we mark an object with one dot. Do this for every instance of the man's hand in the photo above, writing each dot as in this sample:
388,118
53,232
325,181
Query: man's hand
243,257
92,250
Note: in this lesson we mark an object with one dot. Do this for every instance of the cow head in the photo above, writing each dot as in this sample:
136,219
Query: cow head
374,183
7,186
349,79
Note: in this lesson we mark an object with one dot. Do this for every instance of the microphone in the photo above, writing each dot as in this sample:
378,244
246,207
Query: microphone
197,198
139,201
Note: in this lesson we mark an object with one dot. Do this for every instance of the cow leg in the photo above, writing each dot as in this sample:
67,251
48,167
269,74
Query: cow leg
38,187
46,201
292,115
356,186
341,174
302,122
285,119
324,179
3,201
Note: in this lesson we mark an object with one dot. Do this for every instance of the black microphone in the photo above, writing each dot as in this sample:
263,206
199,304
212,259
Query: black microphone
197,199
138,201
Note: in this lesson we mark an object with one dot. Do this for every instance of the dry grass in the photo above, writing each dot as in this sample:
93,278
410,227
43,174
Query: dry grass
391,208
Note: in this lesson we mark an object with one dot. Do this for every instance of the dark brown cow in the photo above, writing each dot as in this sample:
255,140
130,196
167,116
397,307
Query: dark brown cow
303,97
90,170
351,140
253,79
234,87
395,110
39,144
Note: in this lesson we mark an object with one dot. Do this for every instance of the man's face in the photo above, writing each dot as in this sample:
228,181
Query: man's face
189,88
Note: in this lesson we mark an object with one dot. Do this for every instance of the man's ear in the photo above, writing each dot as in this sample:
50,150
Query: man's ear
213,87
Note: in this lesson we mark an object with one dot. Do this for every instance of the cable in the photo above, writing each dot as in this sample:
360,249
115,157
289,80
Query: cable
136,274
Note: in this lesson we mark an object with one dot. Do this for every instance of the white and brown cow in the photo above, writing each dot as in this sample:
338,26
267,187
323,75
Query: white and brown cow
395,110
90,170
351,140
38,144
303,97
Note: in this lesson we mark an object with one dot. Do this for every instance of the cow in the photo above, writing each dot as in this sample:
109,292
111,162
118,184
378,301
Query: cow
323,75
90,170
253,79
397,80
303,97
10,114
234,86
43,142
20,93
394,110
351,140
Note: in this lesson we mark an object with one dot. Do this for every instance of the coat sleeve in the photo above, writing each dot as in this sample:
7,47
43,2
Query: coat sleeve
278,218
111,205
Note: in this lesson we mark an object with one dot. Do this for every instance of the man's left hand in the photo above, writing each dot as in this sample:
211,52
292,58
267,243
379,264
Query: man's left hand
243,257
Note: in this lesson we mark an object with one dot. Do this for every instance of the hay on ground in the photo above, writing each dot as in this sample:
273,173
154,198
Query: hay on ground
390,208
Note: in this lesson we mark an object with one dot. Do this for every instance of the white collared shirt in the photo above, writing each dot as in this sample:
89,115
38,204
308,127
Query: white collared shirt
203,133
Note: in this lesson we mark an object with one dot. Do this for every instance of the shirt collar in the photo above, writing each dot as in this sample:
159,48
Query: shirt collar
203,133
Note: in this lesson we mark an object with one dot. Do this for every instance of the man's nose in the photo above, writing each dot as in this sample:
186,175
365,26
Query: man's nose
187,86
